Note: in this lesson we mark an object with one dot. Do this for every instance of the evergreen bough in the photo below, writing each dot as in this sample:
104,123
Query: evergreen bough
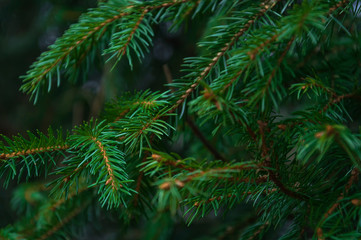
275,85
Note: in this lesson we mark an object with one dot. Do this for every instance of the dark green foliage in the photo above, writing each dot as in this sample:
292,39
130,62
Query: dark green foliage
265,115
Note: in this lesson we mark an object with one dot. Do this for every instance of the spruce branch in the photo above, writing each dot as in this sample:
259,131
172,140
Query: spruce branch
351,181
90,29
122,51
52,60
263,126
131,34
24,153
94,152
108,166
32,155
279,61
203,74
338,5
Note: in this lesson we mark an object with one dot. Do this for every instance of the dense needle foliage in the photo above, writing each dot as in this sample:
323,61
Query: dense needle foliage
266,116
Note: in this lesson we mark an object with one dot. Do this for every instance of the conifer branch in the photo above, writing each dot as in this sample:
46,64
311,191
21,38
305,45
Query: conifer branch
251,133
267,163
259,230
60,52
87,50
182,180
33,151
122,51
351,181
279,61
176,164
122,114
265,6
107,164
338,5
252,55
67,50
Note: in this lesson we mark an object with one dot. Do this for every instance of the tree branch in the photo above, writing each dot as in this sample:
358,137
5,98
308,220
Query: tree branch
267,163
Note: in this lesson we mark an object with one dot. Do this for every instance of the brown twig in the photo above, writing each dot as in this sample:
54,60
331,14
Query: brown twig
203,139
337,99
168,75
139,183
140,177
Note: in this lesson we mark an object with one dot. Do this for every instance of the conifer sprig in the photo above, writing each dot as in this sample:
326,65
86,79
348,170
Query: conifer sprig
96,153
34,155
64,54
